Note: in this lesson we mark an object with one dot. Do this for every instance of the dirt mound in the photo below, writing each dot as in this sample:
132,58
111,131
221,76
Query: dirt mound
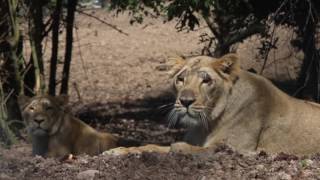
222,163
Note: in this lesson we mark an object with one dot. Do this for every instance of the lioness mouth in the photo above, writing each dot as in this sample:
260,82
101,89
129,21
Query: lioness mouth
38,131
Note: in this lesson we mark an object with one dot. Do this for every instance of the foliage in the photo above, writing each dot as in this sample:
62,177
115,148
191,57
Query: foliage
232,21
26,76
6,135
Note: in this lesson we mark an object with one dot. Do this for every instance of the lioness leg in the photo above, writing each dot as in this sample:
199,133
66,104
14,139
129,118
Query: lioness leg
138,150
184,148
179,147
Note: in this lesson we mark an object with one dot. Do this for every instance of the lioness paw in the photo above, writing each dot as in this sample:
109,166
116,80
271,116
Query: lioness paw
117,151
137,150
184,148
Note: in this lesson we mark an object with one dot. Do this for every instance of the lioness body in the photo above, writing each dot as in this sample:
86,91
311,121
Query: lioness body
259,116
221,103
55,132
76,137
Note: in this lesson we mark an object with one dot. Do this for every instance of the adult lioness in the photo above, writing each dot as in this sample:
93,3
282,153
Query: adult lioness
55,132
221,103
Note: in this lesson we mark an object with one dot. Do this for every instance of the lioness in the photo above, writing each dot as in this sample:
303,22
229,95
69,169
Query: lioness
55,132
222,104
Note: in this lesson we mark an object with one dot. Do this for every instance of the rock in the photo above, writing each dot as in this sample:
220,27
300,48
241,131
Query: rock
5,177
309,162
260,167
88,174
162,67
284,176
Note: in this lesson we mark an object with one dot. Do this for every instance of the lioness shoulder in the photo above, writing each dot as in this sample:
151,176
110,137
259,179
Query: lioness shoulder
54,131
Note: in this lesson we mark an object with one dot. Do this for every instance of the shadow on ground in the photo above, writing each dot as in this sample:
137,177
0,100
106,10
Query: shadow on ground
141,120
153,109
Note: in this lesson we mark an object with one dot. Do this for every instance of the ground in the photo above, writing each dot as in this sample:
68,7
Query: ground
119,81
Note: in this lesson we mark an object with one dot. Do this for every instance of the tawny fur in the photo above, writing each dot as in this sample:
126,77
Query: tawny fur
248,112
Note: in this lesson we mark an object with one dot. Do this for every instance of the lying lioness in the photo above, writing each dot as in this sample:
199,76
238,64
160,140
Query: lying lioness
55,132
220,103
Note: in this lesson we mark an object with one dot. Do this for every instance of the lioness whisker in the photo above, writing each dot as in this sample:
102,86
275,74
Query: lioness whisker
172,119
165,106
207,96
209,108
204,121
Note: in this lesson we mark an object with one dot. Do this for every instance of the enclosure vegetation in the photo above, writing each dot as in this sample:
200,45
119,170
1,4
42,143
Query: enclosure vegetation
27,22
230,21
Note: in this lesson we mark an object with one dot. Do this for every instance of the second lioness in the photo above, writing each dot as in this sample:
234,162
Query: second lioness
55,132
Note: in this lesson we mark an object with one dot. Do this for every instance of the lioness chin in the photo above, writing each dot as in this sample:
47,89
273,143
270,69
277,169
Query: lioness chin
222,104
55,132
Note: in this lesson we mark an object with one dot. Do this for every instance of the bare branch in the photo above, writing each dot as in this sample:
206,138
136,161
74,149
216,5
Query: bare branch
104,22
243,34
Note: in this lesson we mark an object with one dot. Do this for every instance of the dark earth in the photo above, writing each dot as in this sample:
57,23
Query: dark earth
119,84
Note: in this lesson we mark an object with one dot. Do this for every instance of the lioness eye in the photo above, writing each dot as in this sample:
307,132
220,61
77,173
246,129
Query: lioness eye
31,108
205,77
180,78
48,108
207,80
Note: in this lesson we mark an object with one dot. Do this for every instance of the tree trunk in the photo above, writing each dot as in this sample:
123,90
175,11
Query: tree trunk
36,37
55,48
12,84
309,79
69,40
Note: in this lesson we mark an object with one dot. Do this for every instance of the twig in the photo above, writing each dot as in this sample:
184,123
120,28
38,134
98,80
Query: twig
305,80
10,122
83,66
243,34
272,42
8,96
80,54
104,22
75,85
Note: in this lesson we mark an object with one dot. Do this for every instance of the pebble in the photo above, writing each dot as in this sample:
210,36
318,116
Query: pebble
5,177
260,167
88,174
284,176
308,162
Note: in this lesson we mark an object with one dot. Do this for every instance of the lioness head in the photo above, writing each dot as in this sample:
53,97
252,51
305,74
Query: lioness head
42,114
202,87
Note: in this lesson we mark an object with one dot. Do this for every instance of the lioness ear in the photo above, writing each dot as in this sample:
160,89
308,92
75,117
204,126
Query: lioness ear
228,65
62,99
176,63
23,101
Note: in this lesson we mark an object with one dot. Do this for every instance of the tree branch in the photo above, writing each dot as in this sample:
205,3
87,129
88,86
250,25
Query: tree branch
104,22
243,34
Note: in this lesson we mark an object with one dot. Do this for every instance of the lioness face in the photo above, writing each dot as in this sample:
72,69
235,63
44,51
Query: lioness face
42,114
201,85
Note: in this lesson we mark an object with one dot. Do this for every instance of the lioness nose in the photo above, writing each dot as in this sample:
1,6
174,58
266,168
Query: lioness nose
39,120
187,97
